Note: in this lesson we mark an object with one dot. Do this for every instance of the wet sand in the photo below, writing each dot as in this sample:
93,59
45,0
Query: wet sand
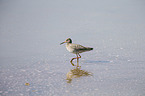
32,63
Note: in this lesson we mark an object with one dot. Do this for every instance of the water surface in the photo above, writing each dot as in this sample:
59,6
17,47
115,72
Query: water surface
32,62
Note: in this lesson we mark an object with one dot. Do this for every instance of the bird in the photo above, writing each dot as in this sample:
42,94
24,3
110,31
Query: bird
75,49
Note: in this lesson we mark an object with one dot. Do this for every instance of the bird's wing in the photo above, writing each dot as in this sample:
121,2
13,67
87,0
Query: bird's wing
77,47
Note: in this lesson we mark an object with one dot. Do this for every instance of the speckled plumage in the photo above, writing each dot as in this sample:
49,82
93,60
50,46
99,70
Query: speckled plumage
76,48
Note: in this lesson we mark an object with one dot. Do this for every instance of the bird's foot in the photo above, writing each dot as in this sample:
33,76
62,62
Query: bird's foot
77,66
77,61
72,63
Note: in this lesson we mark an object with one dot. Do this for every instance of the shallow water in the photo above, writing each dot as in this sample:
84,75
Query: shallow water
33,63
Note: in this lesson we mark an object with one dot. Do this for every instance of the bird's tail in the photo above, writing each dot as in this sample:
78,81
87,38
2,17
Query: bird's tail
89,48
85,49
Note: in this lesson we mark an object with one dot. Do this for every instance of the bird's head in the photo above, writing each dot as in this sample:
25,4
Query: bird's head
68,40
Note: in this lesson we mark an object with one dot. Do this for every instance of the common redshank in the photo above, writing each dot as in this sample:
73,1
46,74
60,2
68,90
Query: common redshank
76,49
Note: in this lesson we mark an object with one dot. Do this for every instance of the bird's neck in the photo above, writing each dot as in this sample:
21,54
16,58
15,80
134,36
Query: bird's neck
67,44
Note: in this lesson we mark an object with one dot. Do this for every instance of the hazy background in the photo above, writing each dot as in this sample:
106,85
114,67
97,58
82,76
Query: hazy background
30,34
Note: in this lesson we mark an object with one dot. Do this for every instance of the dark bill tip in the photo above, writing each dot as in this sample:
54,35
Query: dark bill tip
62,43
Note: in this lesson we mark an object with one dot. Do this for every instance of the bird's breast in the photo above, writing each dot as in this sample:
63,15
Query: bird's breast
69,48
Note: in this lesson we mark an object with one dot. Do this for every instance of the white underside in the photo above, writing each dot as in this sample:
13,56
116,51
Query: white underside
70,49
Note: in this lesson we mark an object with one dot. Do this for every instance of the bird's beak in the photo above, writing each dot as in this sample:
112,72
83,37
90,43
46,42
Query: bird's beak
62,43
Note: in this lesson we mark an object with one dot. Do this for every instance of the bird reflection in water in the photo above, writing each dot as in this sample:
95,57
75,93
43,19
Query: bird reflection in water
76,73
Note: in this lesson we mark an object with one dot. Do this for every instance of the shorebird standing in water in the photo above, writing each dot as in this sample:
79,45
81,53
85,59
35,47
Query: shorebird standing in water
76,49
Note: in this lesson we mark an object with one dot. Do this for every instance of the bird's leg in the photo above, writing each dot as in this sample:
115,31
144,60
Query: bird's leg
80,56
78,60
72,60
